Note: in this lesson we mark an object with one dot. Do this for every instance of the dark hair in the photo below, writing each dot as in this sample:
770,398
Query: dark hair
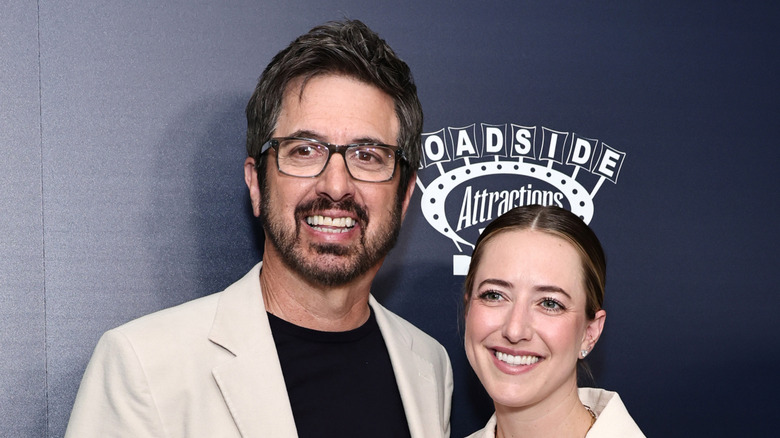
558,222
346,48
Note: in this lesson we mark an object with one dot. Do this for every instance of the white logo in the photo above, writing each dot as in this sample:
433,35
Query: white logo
506,170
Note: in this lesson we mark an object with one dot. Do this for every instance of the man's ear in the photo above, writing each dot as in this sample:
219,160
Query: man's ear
408,194
250,177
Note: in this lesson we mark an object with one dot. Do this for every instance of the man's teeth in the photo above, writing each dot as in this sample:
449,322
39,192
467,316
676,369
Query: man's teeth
516,360
339,224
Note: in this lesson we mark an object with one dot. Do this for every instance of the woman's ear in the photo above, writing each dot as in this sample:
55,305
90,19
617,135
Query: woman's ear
593,331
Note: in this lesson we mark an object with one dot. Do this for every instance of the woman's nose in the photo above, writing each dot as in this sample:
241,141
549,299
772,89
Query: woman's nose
518,325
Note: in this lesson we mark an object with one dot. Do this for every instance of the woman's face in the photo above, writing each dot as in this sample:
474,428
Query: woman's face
526,321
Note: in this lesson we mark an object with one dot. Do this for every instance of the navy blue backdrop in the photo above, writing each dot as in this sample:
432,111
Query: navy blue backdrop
122,132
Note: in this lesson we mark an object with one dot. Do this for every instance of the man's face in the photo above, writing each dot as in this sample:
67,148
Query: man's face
332,229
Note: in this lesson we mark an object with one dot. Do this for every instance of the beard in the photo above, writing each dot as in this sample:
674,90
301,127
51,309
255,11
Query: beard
339,264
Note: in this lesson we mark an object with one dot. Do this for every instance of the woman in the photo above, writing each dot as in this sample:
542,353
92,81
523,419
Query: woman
533,298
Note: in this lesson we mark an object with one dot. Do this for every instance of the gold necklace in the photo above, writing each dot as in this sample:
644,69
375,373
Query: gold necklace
592,416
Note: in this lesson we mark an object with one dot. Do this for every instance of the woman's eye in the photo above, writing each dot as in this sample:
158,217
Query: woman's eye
490,295
551,304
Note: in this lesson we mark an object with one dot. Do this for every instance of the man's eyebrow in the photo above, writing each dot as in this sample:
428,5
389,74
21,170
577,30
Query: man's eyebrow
369,140
305,133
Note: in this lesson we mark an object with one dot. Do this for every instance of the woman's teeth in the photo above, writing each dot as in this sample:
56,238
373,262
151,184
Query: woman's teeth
516,360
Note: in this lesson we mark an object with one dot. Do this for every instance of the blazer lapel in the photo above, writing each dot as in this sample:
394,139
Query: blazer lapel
252,383
414,375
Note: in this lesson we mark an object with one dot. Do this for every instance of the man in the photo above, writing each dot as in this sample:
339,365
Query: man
298,346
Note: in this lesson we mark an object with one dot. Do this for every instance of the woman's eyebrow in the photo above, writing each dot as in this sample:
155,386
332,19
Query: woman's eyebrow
550,288
495,282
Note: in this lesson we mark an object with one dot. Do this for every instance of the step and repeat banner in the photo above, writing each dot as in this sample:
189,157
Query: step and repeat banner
122,131
493,170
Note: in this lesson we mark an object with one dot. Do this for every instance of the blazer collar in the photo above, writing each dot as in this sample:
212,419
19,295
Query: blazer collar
413,373
252,383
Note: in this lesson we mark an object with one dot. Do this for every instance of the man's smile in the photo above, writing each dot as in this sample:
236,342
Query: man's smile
328,224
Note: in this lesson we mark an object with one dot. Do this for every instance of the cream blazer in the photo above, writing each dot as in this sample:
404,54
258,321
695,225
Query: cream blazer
209,368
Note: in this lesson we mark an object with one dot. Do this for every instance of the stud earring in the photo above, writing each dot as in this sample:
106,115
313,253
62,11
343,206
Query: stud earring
584,353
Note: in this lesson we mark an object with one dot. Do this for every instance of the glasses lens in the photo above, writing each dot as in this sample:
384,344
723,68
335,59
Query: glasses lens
301,157
370,163
307,158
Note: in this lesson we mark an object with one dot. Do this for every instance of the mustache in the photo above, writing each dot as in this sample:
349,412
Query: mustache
310,207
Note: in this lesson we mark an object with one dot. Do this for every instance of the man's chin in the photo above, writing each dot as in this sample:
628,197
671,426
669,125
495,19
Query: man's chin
332,272
331,249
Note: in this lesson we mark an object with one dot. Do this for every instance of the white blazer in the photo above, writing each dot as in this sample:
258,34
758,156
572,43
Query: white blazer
209,368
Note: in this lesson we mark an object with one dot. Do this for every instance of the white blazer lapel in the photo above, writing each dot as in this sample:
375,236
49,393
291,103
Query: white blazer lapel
252,383
414,374
254,391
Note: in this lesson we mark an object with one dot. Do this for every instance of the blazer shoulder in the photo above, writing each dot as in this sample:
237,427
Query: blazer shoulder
419,341
194,316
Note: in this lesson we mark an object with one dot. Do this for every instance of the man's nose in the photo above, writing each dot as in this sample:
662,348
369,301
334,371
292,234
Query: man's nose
335,181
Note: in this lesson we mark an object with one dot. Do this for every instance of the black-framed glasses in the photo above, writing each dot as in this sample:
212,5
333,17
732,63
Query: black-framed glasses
307,158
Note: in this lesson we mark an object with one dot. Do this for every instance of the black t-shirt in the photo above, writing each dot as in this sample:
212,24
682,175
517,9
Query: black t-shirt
341,384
